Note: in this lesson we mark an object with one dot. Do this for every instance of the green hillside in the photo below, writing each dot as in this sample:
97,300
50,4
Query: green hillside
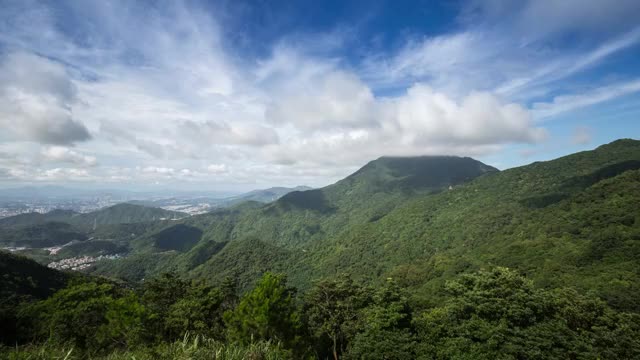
41,235
112,229
23,280
430,257
35,218
570,221
124,214
117,214
301,218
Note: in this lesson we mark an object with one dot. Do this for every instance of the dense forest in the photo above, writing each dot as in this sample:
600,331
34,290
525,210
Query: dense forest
491,314
426,257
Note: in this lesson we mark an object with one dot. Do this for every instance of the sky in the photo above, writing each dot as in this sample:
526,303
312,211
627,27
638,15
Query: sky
237,95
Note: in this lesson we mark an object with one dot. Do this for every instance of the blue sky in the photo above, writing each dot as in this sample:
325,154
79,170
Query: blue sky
236,95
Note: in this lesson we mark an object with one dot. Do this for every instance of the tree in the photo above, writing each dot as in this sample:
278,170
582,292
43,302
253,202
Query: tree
93,316
267,312
159,294
199,312
125,322
332,308
384,327
500,314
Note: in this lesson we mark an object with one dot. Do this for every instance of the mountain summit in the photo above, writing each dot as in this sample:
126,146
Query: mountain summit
419,172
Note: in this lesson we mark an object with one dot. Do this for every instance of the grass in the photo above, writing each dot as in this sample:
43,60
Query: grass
189,348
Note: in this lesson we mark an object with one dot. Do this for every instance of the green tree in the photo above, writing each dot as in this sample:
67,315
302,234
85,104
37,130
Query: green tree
384,327
125,322
198,312
267,312
498,314
91,316
159,294
332,310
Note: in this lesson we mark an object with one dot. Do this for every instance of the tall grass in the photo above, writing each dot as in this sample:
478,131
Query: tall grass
189,348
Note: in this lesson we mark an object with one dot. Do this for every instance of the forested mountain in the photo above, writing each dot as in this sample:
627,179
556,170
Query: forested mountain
117,214
41,235
302,218
35,218
425,257
124,214
58,227
422,220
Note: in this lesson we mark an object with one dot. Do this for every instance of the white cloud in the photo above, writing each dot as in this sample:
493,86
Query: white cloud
422,121
217,168
63,154
564,103
36,101
156,94
324,101
535,19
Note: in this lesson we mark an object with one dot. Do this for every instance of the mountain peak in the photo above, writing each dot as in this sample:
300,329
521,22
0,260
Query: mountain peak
420,172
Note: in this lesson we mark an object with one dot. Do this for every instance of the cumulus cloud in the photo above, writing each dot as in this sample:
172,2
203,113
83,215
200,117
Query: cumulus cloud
420,121
73,174
322,102
36,99
214,133
160,94
427,116
217,168
63,154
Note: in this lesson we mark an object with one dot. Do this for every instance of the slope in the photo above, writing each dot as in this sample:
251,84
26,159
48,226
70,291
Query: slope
304,217
572,221
124,214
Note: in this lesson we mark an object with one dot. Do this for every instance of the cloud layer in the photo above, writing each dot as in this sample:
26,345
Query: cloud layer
159,93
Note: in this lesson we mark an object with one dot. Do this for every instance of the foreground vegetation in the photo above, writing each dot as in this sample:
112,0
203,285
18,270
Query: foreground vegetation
495,314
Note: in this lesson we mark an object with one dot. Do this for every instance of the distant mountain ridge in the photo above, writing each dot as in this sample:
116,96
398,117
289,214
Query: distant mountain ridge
116,214
268,195
59,227
212,203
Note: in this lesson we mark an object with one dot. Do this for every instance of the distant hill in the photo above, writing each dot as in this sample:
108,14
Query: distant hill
35,218
124,213
202,204
265,195
41,235
112,228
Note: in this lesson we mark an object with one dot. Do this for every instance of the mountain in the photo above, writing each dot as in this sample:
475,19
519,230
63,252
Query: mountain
34,218
124,213
202,204
109,230
41,235
300,218
572,221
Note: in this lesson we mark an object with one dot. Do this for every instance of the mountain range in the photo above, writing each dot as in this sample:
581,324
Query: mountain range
572,221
